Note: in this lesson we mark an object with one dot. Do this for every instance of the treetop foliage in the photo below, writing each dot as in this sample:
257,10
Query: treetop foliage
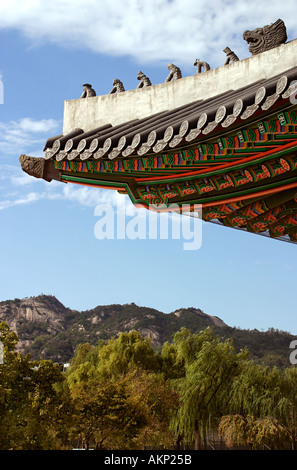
123,394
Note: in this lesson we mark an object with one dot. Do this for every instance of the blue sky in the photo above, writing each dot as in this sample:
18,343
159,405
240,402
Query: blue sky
48,50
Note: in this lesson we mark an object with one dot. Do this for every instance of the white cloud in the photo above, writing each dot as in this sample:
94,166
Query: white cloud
27,199
148,30
91,197
16,189
26,134
85,196
31,125
15,175
1,89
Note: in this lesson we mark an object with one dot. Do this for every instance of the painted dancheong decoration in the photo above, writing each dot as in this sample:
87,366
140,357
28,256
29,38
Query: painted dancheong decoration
234,153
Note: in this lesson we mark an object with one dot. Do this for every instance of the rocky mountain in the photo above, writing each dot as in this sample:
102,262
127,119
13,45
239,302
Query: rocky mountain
48,330
40,319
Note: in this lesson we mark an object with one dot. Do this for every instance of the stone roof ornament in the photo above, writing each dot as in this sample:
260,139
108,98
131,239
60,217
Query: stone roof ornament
32,166
200,64
230,56
266,38
174,73
118,86
88,91
144,80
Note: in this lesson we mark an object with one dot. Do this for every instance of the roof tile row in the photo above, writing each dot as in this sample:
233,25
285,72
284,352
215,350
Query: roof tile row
169,129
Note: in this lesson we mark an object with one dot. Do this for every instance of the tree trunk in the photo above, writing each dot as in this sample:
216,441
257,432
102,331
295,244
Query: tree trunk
178,442
197,437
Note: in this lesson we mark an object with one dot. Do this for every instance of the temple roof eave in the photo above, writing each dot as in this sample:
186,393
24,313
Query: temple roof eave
233,154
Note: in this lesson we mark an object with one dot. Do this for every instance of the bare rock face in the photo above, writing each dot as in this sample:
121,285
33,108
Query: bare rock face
30,316
155,337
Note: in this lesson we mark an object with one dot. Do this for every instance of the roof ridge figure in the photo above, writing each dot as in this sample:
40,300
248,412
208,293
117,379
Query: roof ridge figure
266,38
88,91
174,73
259,40
200,64
144,80
118,86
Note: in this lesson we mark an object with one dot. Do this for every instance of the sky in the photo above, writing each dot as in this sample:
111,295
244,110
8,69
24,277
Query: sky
48,242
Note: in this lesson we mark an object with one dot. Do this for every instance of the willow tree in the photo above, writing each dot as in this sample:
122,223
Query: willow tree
129,350
259,410
210,367
256,391
288,405
253,433
83,365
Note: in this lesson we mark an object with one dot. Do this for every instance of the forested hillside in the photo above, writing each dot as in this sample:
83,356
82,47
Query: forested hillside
48,330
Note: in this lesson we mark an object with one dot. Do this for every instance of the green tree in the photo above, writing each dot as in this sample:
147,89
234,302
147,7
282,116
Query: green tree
83,365
15,385
29,406
211,366
288,404
156,395
255,433
113,358
126,352
256,391
261,407
127,369
106,414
